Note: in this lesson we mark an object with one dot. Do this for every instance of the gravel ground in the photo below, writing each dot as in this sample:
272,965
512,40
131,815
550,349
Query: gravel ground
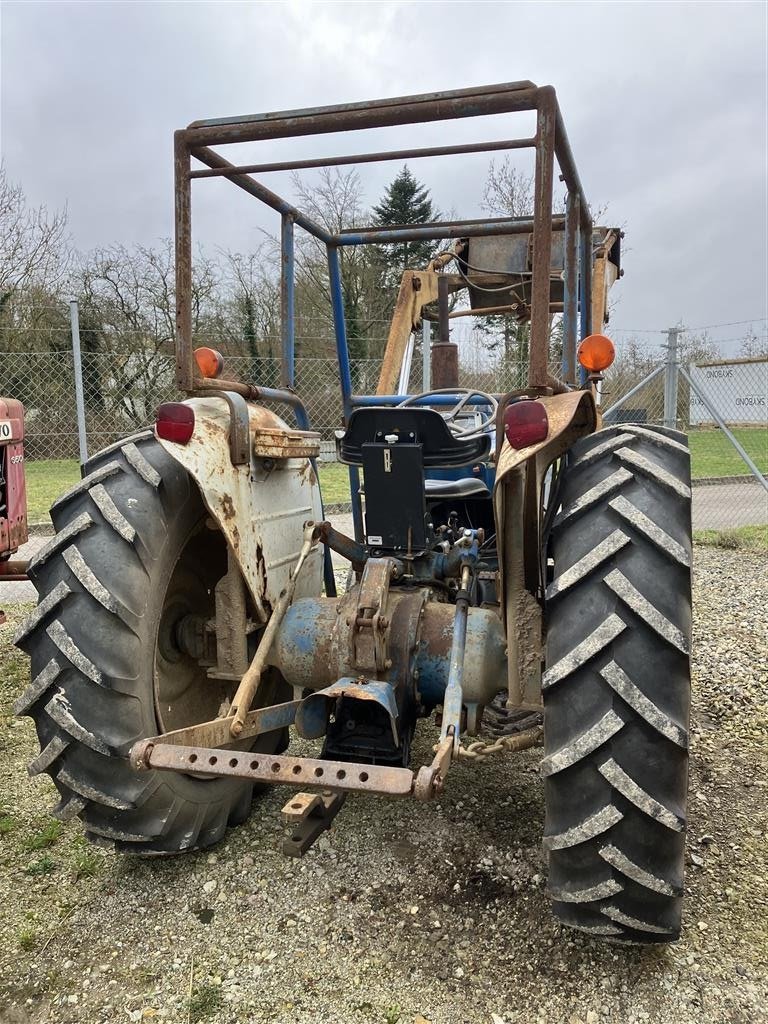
403,913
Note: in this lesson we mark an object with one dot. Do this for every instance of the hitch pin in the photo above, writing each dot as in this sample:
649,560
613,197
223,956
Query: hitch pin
246,691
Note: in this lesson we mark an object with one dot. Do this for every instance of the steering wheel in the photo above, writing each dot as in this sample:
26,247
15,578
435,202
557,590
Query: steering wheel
487,417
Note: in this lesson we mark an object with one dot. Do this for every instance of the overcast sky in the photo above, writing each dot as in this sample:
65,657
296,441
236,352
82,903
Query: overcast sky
665,104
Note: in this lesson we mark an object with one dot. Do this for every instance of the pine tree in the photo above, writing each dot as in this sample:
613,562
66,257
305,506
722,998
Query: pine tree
405,201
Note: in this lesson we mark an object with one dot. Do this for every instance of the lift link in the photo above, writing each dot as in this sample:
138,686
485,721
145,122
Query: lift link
430,779
249,684
454,695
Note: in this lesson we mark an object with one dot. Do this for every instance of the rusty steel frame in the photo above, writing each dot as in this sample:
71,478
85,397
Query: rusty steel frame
550,145
273,768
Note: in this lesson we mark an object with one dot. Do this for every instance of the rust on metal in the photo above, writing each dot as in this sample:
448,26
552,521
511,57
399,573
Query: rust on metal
550,142
14,570
315,817
231,622
571,415
538,356
430,780
343,545
366,158
286,444
417,289
274,768
369,635
439,106
217,733
299,806
445,365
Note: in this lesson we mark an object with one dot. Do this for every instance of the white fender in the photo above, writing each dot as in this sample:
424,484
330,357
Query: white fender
260,506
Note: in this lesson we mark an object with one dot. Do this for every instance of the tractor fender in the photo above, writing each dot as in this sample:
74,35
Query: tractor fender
517,503
260,505
571,415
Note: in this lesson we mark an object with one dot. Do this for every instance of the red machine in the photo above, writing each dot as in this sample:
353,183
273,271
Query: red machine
13,493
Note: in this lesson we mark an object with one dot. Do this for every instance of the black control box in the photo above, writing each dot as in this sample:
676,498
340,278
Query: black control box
395,507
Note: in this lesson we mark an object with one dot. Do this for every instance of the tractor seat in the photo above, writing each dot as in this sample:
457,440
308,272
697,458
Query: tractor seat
440,449
466,487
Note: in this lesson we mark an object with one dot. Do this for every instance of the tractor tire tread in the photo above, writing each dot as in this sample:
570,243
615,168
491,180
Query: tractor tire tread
83,637
617,685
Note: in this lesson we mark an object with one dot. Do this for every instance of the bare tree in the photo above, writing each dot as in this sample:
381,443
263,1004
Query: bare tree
248,322
33,244
335,200
508,191
127,302
754,345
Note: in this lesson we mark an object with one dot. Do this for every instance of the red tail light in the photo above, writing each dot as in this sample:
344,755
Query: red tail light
175,422
525,423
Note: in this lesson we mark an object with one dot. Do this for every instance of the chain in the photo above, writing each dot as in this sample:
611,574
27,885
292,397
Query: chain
480,750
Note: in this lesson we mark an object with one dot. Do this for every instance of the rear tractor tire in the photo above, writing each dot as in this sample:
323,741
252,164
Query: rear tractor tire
617,685
132,554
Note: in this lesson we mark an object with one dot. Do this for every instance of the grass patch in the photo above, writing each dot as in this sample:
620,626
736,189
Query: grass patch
86,861
742,538
7,824
26,938
44,865
42,840
334,482
48,479
712,454
205,1001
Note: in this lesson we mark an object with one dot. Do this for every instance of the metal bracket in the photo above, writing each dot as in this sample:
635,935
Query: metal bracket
217,733
430,779
370,627
231,631
312,814
239,424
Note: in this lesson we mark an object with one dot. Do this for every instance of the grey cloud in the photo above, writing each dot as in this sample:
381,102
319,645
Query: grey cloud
665,105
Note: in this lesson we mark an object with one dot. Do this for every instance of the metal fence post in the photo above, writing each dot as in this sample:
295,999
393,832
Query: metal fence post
670,379
74,318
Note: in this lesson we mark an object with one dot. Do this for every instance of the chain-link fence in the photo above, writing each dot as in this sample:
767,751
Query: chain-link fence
721,405
122,390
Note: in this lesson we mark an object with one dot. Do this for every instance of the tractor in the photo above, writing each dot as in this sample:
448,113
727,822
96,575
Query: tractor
511,555
14,531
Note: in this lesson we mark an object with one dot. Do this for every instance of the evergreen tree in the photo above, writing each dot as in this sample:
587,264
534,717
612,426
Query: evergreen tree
405,201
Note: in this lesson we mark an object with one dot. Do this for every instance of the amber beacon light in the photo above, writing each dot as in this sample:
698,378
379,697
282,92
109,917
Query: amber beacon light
596,353
210,363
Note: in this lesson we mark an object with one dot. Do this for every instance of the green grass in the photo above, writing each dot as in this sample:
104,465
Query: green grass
86,862
205,1001
742,538
46,481
42,866
27,938
712,455
334,482
45,838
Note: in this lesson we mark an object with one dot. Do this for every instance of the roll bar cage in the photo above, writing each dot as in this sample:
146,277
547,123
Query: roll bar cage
550,143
